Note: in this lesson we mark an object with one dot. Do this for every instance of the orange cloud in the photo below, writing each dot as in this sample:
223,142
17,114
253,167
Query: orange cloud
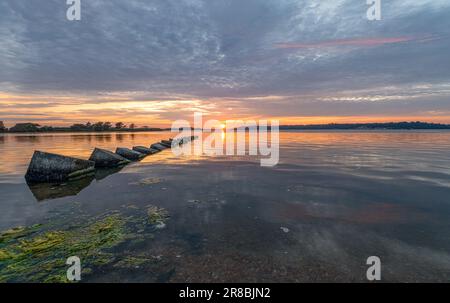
63,110
362,42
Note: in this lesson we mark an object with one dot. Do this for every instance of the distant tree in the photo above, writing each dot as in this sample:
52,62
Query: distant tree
25,127
46,128
89,125
107,126
2,127
132,126
387,125
120,125
78,127
97,126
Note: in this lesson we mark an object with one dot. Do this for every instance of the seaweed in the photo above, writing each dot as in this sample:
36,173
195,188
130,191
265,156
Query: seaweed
17,232
148,181
133,262
38,253
157,215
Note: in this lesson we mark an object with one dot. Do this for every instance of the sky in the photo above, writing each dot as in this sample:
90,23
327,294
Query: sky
155,61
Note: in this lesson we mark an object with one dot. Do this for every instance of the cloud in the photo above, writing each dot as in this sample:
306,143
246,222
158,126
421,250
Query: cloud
225,53
360,42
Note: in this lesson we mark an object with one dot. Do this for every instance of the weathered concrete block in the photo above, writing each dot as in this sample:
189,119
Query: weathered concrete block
167,142
177,142
129,154
48,167
158,146
168,145
106,158
144,150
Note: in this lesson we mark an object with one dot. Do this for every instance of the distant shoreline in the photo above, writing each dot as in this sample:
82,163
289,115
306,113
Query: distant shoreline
85,131
370,126
333,126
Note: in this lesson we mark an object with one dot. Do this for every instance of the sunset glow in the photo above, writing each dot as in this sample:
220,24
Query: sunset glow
64,110
142,68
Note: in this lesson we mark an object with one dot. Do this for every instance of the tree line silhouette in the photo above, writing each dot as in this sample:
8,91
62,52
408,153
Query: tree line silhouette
77,127
120,126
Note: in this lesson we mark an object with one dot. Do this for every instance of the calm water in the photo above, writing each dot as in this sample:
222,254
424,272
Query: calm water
335,199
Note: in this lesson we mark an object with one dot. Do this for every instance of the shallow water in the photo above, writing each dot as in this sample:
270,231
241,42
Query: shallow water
334,199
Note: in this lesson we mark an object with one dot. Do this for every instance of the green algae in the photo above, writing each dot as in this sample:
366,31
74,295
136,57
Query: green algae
130,262
157,215
5,255
17,232
148,181
42,257
38,253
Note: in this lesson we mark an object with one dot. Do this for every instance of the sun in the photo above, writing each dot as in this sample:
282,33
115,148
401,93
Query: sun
222,126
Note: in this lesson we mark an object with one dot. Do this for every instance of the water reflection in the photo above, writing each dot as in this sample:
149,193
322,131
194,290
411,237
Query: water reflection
49,191
102,173
27,139
335,199
103,137
120,137
80,138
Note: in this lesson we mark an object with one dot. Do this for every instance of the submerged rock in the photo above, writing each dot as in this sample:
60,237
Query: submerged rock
106,158
48,167
158,146
144,150
129,154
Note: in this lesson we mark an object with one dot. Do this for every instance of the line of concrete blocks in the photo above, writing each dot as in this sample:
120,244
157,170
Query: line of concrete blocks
47,167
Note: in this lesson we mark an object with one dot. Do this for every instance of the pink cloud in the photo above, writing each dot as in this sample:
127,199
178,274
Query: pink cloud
360,42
